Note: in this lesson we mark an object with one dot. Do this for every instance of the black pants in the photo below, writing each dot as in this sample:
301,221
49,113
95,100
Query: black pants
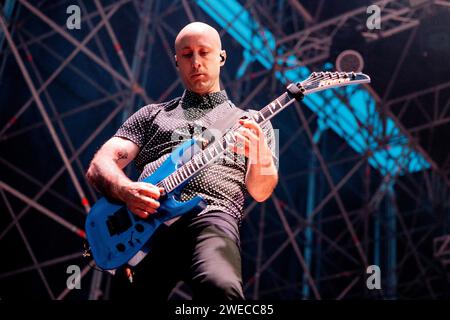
203,251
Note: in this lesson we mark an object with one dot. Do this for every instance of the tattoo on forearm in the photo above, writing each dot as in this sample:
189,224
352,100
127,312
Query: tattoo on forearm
105,176
122,154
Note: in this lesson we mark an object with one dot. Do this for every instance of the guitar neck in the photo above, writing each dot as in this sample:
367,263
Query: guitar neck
204,158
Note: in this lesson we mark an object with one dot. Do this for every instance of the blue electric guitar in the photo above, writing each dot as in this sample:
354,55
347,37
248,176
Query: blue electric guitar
117,237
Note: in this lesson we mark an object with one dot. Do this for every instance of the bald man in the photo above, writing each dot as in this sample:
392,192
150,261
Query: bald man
199,57
201,248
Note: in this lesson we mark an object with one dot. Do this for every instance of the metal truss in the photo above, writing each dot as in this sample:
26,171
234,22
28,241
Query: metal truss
312,44
331,216
442,250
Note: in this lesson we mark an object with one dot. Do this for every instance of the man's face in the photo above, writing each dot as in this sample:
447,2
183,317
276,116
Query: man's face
199,62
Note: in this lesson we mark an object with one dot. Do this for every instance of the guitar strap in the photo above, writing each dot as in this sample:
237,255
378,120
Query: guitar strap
227,120
224,123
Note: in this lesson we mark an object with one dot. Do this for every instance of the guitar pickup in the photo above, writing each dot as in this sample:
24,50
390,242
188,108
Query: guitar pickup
119,222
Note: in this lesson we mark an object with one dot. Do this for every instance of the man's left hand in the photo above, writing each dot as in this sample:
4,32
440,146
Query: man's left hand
251,142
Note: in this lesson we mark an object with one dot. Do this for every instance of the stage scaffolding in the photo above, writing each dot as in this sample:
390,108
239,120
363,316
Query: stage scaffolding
332,215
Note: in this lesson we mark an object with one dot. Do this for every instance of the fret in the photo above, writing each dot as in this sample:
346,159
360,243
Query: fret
279,103
216,145
211,153
259,117
200,162
273,107
176,178
166,184
194,164
284,99
190,168
266,113
171,181
181,173
185,170
224,144
214,151
204,158
229,139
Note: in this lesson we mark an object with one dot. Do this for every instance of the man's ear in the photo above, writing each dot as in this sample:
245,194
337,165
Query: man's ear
223,57
176,61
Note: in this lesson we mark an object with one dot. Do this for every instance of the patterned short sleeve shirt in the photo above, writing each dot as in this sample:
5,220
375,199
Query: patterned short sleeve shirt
159,128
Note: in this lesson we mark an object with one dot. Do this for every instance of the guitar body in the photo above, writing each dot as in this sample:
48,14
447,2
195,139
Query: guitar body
116,235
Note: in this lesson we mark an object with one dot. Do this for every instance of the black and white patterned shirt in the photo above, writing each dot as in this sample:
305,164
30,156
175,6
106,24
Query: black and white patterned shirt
159,128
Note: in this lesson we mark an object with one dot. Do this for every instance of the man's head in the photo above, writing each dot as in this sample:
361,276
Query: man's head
199,56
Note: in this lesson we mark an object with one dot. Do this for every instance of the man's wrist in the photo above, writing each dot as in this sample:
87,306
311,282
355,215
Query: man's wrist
121,189
264,159
264,167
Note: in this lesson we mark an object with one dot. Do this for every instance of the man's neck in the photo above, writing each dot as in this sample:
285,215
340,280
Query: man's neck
216,88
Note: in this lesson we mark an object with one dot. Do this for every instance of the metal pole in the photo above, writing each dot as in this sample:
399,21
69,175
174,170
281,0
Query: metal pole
44,114
311,200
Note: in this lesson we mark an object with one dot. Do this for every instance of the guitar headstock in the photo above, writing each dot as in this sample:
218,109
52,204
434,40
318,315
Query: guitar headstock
318,81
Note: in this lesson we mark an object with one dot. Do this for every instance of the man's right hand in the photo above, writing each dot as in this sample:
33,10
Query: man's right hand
141,198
